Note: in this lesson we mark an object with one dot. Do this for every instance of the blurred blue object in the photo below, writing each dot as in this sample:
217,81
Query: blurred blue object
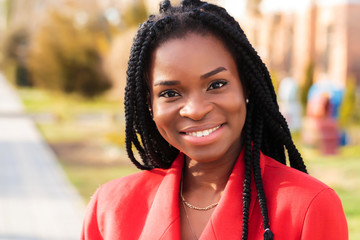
343,138
335,94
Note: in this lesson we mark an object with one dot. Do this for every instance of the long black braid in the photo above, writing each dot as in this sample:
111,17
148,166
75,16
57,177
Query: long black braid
265,128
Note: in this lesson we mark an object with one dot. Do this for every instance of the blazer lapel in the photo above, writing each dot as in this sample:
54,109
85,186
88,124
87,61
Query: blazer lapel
163,220
226,221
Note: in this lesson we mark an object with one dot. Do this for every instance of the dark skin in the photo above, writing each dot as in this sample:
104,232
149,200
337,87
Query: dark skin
198,105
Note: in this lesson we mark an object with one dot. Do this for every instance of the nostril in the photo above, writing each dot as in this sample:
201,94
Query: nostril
195,110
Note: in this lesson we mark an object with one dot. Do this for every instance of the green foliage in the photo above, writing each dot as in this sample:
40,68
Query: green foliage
307,83
66,57
346,111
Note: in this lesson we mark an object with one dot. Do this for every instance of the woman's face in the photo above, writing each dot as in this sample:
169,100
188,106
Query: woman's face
197,97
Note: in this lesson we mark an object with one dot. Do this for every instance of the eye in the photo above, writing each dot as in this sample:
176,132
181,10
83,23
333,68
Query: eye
169,94
217,84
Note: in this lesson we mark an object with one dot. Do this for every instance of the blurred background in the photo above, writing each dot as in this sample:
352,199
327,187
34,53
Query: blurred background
63,63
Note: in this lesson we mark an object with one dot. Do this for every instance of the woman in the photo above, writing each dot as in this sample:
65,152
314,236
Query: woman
202,113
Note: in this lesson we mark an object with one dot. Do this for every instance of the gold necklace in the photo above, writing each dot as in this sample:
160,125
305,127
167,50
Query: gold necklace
188,220
211,206
186,204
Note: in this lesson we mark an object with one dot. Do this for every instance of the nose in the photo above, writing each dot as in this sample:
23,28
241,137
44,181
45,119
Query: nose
196,107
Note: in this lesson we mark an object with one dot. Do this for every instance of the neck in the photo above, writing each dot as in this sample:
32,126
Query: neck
201,188
208,177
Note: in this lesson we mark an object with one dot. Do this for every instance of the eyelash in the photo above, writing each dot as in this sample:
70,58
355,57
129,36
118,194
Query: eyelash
222,82
166,93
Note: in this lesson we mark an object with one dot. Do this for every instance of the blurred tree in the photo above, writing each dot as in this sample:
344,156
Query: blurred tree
7,4
14,42
135,13
65,56
346,111
307,83
15,51
275,80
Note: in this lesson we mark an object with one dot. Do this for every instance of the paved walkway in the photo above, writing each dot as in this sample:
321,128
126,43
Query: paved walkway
36,199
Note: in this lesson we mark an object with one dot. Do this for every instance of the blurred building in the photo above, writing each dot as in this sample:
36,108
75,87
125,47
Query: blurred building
291,35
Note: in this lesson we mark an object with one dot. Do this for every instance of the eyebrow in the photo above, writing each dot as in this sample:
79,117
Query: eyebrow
213,72
166,83
204,76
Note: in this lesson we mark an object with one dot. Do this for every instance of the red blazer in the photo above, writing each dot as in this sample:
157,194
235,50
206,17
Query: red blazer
145,206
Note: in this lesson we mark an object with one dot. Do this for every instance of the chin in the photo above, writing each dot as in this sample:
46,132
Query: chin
205,156
213,154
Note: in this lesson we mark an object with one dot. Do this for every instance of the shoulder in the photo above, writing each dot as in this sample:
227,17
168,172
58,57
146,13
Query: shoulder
282,177
135,191
301,200
119,203
288,189
125,188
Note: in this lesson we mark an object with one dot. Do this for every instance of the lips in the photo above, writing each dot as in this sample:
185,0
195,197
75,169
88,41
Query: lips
202,133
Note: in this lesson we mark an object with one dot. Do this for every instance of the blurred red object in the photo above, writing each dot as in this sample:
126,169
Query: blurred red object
320,129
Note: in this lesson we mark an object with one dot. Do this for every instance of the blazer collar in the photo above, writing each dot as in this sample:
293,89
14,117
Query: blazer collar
163,220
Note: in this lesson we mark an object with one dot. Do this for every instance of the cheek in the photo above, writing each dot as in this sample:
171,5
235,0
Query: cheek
237,110
235,102
163,117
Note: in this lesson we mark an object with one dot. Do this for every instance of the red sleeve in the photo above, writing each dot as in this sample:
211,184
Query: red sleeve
90,230
325,218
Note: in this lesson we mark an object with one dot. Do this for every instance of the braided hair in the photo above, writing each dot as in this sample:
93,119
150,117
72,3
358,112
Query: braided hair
265,128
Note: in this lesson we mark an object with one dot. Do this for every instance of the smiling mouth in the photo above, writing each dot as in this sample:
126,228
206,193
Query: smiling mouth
203,133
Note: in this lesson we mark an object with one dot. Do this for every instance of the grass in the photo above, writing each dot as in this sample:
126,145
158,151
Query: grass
71,132
66,107
87,178
341,172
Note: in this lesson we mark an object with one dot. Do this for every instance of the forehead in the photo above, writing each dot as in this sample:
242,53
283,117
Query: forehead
193,53
183,41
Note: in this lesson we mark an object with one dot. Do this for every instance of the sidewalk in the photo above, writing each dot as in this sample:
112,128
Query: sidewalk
36,199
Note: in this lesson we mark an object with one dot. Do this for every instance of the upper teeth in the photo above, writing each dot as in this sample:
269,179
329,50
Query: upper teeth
202,133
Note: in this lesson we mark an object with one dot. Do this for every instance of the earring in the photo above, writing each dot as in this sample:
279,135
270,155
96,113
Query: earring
247,101
151,113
